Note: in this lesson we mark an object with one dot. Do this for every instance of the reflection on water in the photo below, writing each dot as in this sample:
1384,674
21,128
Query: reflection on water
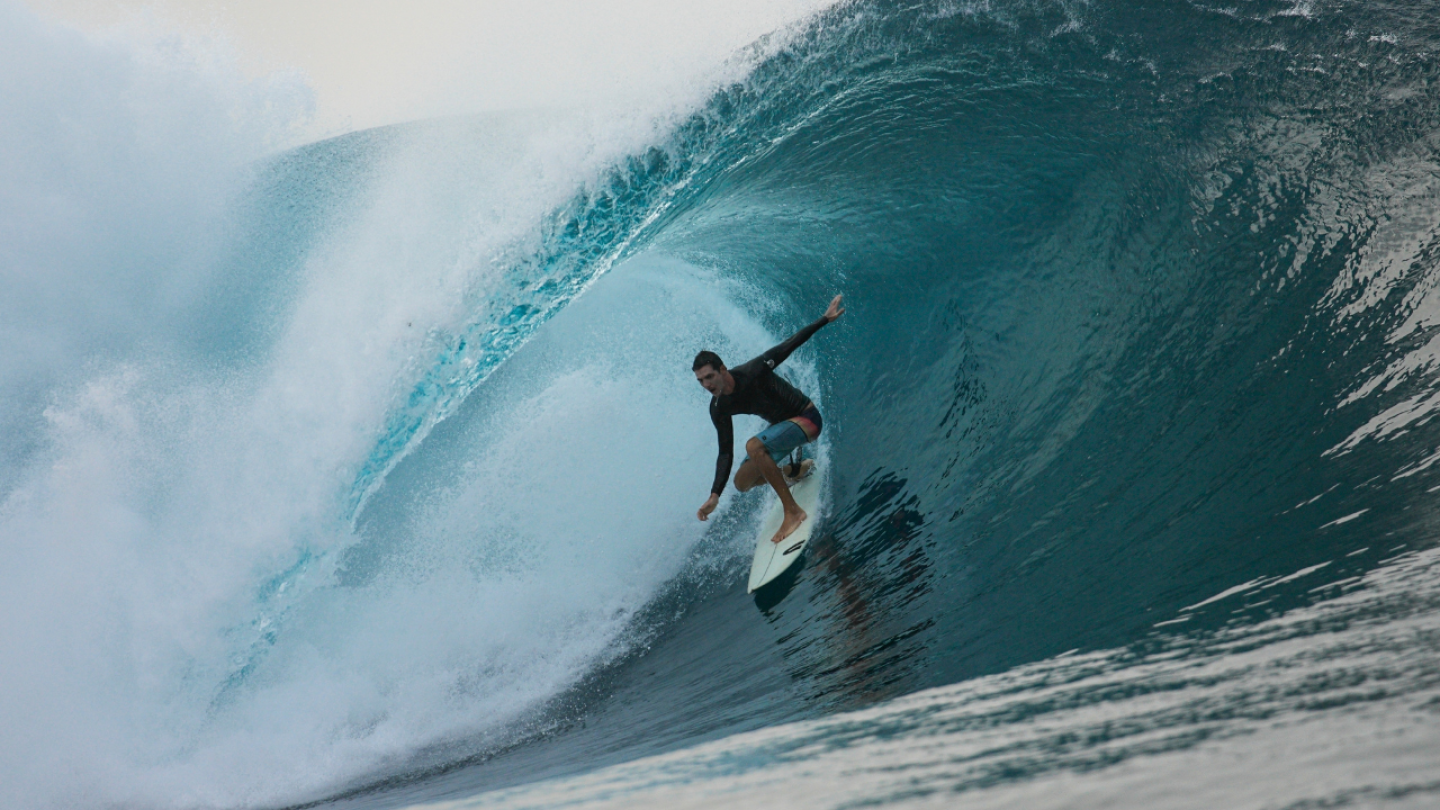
1328,706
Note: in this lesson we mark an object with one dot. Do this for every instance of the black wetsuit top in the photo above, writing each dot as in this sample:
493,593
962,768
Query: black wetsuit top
760,391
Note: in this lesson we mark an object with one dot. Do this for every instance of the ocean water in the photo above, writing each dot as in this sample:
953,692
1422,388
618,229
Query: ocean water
362,474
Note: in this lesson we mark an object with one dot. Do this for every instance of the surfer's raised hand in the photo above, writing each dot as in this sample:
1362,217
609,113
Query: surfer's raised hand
835,310
708,507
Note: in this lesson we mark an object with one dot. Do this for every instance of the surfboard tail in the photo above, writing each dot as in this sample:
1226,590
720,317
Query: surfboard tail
771,559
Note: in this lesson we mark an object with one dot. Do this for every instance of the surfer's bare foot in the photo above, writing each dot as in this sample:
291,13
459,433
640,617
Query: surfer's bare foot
804,470
788,526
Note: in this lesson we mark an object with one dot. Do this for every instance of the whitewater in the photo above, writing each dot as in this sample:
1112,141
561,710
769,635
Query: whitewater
362,473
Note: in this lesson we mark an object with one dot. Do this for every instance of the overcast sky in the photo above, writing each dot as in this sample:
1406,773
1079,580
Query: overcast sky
371,62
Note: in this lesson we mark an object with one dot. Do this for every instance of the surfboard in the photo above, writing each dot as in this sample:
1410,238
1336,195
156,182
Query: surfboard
771,559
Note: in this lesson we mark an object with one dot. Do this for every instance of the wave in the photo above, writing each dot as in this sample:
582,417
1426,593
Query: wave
1139,343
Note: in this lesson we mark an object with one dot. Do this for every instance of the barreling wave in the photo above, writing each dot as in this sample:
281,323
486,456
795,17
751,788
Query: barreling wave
1138,310
1140,345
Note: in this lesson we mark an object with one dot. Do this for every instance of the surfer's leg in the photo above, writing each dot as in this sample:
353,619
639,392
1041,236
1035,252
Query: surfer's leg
777,441
760,458
748,476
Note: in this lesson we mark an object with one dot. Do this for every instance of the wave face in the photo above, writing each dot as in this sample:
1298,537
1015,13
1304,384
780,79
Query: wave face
397,501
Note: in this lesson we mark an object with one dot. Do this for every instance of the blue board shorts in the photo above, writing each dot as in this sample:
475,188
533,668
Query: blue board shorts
783,437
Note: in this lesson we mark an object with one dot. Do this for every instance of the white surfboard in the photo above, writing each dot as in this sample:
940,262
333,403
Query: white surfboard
771,559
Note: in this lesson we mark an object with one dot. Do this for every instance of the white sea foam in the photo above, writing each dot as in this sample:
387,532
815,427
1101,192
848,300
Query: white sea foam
152,491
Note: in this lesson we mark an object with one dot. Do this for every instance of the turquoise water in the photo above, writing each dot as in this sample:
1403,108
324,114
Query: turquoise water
364,474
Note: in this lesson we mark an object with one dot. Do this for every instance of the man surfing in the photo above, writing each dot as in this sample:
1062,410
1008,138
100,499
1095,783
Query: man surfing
755,388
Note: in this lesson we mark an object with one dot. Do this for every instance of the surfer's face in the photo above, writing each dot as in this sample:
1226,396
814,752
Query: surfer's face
710,379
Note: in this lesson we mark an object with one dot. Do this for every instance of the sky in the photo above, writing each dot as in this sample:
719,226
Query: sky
370,62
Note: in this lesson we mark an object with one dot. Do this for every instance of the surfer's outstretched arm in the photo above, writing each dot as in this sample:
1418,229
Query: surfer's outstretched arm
777,355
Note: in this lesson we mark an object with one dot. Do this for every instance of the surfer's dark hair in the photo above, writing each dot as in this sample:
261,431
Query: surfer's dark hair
707,358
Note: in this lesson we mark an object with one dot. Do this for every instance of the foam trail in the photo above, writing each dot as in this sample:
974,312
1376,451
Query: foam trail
510,555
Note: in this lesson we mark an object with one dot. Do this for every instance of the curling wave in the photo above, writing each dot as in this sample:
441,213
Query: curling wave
1139,347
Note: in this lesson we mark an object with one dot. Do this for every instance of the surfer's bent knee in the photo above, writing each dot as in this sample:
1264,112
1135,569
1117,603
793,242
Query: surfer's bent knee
743,480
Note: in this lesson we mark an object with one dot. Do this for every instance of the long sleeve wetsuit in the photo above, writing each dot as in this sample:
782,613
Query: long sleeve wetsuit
760,391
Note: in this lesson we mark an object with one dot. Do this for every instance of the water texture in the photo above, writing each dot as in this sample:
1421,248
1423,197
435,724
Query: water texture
389,500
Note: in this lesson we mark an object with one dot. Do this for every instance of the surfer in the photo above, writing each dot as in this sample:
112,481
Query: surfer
794,420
